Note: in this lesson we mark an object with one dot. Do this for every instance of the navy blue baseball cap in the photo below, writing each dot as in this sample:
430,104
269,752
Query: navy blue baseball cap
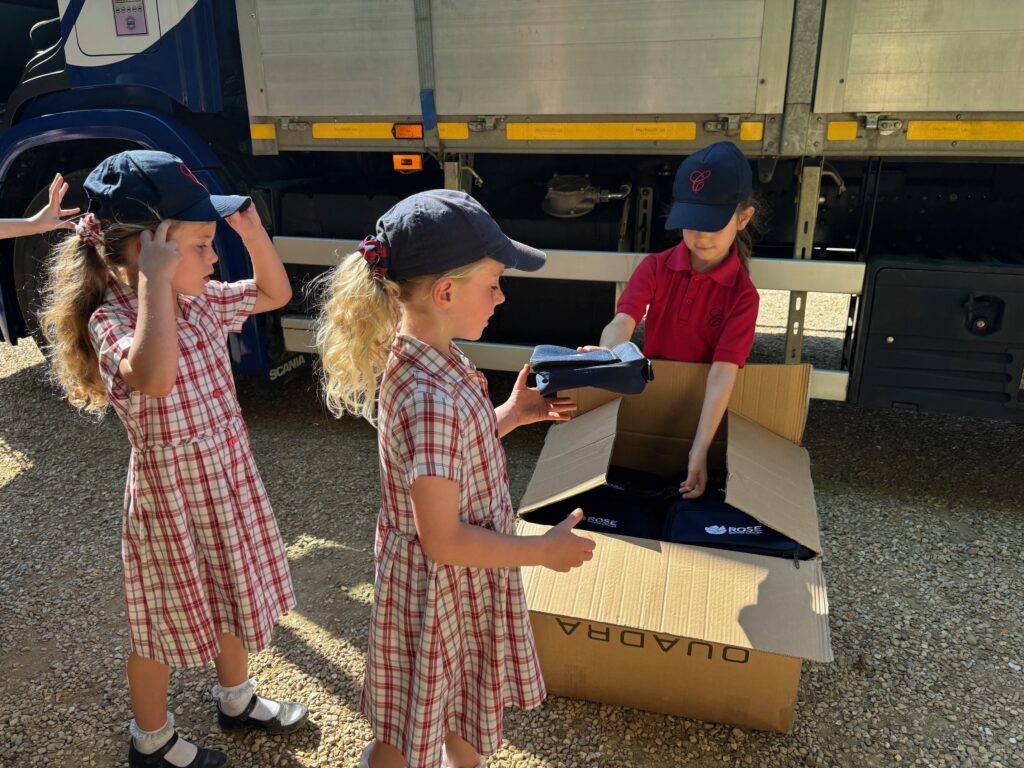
141,184
441,229
708,187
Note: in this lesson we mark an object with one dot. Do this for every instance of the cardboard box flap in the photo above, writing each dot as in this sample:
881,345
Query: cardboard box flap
770,479
574,458
774,396
676,591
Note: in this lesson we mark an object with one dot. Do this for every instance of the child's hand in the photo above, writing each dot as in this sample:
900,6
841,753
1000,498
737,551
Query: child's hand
247,224
49,217
159,257
567,550
696,478
591,348
526,405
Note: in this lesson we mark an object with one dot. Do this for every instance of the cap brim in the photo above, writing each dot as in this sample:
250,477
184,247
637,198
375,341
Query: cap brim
516,255
702,218
213,208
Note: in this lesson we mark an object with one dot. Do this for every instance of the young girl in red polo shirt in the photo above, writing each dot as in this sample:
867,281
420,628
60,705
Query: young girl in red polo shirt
700,304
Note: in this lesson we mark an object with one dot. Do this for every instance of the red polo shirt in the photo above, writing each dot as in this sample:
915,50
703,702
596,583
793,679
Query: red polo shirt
696,317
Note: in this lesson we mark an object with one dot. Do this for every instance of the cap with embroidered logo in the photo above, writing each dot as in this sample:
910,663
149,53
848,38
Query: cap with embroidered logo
141,184
441,229
708,187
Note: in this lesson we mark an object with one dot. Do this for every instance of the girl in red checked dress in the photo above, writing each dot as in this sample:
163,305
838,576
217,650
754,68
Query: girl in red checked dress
450,640
700,304
134,321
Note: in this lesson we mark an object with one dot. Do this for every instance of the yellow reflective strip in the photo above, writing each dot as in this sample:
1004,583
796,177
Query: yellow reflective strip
453,131
842,130
263,131
751,131
601,131
352,131
965,130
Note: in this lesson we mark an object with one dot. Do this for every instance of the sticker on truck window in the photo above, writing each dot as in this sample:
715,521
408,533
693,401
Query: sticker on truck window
130,17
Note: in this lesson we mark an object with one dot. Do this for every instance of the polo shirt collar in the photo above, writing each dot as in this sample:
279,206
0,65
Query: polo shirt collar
724,274
454,367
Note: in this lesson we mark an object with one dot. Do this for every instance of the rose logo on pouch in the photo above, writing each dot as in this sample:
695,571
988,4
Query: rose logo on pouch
715,530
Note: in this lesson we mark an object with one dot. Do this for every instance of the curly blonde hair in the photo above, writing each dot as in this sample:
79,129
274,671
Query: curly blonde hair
357,322
75,286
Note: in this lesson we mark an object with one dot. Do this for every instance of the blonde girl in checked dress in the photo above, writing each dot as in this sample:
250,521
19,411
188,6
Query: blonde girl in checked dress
450,642
134,321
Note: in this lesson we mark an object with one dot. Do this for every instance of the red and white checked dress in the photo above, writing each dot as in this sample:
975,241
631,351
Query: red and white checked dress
201,549
449,647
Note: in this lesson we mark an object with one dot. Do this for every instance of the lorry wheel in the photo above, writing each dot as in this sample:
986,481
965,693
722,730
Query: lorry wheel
32,253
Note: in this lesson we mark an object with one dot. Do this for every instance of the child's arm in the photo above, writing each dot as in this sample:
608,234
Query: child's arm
618,331
732,350
721,379
446,539
271,279
151,365
46,219
631,307
526,405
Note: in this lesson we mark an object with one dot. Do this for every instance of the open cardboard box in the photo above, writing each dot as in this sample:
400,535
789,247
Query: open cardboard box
704,633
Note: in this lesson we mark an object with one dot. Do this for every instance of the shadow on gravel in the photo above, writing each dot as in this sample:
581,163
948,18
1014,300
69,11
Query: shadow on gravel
61,491
243,749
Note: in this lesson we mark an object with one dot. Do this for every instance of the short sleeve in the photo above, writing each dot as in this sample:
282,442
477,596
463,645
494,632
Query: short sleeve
111,334
737,337
427,430
231,303
639,290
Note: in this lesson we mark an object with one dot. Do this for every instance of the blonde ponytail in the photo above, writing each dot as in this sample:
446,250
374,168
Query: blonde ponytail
355,328
75,287
356,325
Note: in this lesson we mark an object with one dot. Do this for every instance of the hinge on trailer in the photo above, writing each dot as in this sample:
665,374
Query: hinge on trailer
725,124
488,123
886,126
288,124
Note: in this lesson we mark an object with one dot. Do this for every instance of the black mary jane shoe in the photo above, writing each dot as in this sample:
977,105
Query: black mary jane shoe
290,717
205,758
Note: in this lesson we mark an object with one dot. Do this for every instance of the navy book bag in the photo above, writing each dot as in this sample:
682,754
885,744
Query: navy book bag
623,370
630,503
640,504
712,523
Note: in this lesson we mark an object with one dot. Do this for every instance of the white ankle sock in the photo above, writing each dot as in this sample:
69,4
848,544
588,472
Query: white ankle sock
234,700
147,742
446,764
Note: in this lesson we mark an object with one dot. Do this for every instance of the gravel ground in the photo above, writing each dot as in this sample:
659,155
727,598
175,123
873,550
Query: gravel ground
921,519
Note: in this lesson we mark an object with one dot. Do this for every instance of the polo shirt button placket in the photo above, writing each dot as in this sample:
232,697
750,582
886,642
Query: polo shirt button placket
684,315
695,288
